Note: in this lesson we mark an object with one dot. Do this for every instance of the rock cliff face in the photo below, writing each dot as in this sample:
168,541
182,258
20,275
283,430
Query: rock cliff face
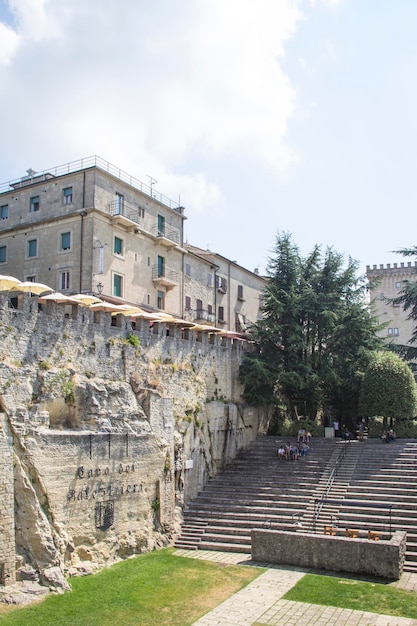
105,432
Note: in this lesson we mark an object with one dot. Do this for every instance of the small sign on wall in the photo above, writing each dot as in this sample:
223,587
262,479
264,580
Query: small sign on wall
189,464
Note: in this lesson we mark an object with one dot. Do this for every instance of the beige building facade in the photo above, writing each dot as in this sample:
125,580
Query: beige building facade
386,283
88,227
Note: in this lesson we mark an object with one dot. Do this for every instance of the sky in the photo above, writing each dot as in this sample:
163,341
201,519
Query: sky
259,116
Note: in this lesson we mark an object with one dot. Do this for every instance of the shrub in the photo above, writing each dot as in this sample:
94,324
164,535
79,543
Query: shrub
133,340
290,428
406,429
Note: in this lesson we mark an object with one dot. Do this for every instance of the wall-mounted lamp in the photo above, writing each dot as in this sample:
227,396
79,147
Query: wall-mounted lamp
100,287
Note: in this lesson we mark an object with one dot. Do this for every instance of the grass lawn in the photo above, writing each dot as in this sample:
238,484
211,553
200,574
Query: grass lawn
154,589
348,593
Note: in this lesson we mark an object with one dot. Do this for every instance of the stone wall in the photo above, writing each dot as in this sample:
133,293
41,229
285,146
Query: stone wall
339,554
106,438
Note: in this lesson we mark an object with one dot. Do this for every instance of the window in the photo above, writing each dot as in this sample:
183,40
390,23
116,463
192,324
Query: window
118,205
141,212
382,296
398,285
161,300
67,195
65,241
32,249
31,279
199,306
240,292
117,285
221,314
161,225
209,279
187,302
3,254
210,309
221,284
64,280
4,212
161,266
390,331
396,332
118,246
187,269
34,204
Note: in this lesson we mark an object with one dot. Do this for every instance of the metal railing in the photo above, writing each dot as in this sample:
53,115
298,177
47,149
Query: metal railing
83,164
169,232
130,211
202,315
164,273
319,502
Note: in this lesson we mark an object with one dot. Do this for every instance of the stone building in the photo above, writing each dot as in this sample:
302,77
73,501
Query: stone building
89,227
386,283
237,291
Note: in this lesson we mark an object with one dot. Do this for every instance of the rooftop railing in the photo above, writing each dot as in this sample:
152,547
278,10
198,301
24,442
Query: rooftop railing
83,164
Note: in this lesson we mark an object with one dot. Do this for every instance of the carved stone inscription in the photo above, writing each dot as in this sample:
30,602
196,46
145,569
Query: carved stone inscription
103,483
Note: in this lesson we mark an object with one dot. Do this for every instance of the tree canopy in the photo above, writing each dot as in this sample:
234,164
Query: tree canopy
388,388
311,346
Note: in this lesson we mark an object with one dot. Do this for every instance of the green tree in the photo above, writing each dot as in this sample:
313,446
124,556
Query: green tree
309,347
388,388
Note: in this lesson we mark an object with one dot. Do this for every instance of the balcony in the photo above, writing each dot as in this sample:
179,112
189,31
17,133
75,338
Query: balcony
165,277
203,317
126,214
167,236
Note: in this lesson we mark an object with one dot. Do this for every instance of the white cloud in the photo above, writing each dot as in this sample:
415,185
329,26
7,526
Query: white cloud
9,43
150,86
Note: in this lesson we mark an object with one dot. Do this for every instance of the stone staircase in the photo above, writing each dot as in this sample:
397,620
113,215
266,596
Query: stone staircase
259,491
256,491
382,493
333,485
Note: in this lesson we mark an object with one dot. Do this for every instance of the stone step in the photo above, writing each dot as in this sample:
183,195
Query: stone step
225,547
258,491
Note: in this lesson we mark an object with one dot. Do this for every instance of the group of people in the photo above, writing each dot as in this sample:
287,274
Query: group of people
388,437
292,451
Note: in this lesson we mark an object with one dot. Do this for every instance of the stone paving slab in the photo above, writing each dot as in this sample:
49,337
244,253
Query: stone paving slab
261,602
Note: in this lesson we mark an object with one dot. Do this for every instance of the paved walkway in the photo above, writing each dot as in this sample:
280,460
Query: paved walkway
260,602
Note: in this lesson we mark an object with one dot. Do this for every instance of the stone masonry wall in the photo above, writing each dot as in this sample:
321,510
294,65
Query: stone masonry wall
7,538
339,554
107,431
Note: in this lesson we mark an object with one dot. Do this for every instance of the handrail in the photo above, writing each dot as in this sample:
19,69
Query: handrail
318,504
82,164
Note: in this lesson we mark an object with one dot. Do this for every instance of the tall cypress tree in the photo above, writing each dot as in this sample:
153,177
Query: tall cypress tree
310,347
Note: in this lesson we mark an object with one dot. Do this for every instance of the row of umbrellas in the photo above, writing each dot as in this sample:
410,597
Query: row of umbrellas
9,283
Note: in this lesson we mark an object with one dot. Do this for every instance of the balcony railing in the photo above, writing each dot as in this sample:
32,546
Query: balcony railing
200,315
167,232
165,276
83,164
127,210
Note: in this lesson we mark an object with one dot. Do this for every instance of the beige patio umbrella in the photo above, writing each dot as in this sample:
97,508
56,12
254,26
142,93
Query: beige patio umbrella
205,328
29,287
126,309
105,307
183,323
8,282
59,298
87,299
145,315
